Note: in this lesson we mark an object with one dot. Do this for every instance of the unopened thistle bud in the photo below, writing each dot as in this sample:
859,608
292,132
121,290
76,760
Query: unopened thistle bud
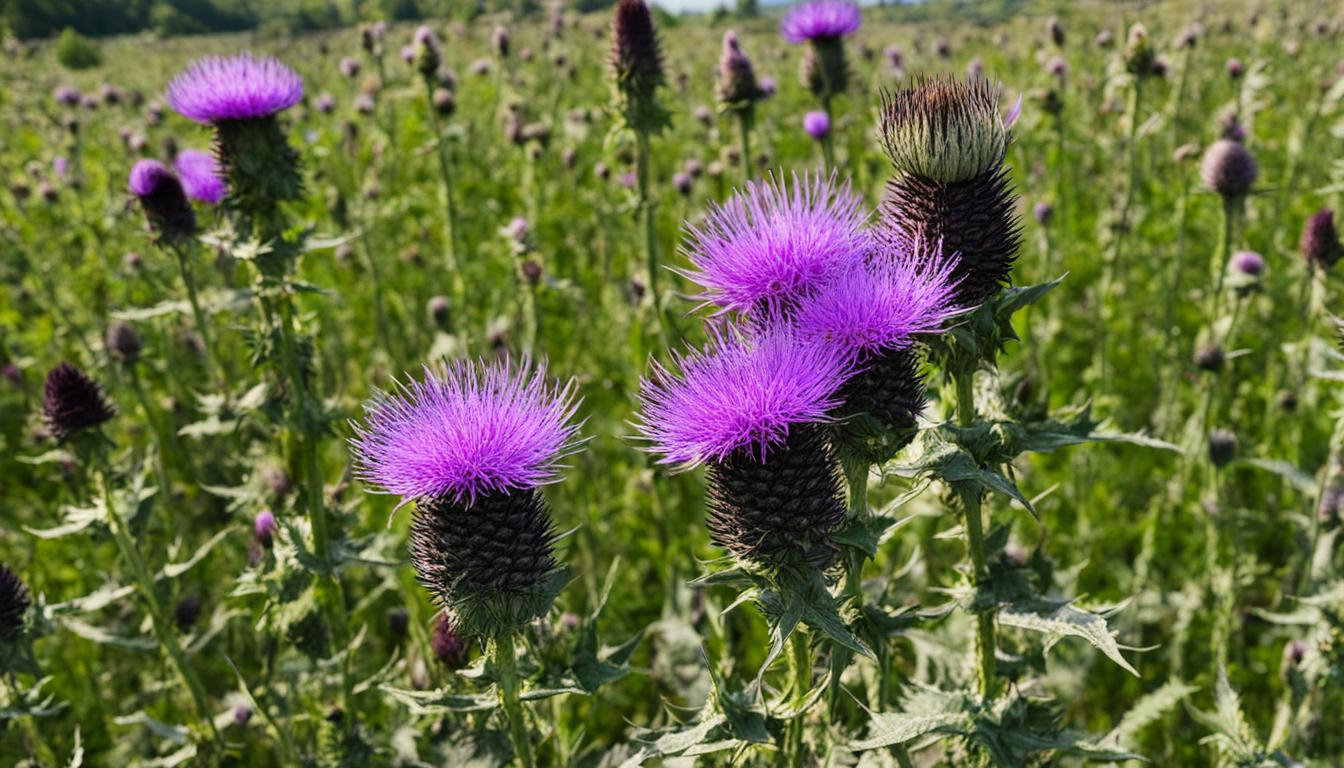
264,528
1056,30
427,52
1210,358
471,444
1229,169
1139,53
444,103
449,647
1320,241
123,342
241,97
737,89
637,67
500,41
163,200
1222,447
72,402
14,604
947,141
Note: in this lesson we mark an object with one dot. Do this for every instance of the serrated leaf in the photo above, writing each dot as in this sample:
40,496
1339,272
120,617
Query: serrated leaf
103,637
173,570
1149,709
175,733
1060,620
439,702
1300,480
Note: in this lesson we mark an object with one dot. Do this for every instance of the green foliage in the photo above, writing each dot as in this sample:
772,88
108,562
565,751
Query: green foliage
74,51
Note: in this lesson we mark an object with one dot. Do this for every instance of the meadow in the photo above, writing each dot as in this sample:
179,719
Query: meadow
378,441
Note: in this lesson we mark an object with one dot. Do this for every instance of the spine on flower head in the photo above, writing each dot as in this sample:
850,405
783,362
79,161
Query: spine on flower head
72,402
947,140
14,604
637,67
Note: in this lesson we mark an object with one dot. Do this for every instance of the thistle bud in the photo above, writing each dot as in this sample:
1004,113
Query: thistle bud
438,309
449,647
500,41
427,52
163,200
1320,241
398,619
737,88
14,604
1056,30
264,528
1229,169
349,67
1104,39
1235,69
1222,447
443,101
817,124
1209,358
637,66
1139,52
72,402
1042,212
186,612
681,182
123,343
945,130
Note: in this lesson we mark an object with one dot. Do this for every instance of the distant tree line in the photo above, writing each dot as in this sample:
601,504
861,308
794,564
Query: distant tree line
97,18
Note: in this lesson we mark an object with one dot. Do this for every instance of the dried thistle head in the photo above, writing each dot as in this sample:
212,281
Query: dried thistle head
636,56
945,129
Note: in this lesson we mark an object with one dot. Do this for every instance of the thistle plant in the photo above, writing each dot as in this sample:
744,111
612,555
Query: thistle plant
74,408
636,63
738,91
163,197
470,444
240,98
823,25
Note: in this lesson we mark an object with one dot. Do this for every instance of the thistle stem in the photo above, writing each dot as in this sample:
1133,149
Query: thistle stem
800,666
446,172
744,134
646,210
202,327
501,652
144,580
985,641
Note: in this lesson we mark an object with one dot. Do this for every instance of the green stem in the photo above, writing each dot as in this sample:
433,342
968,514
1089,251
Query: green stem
744,134
828,140
800,665
163,628
501,652
985,642
646,210
450,254
202,327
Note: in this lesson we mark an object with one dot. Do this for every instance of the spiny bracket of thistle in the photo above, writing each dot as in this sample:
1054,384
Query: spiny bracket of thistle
1017,729
945,129
570,659
984,332
636,70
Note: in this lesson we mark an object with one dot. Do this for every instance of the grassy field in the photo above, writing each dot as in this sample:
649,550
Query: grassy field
1205,572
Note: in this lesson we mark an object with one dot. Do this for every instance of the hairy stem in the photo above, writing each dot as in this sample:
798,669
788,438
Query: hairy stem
501,653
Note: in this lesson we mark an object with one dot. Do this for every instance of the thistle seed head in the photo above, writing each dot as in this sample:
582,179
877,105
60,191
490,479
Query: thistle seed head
944,129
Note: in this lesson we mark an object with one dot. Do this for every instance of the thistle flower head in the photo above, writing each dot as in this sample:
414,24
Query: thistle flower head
772,242
740,394
73,402
14,603
1320,241
737,86
264,527
1222,447
200,175
242,87
1228,168
1248,263
821,20
466,430
883,302
636,57
123,342
817,124
449,647
427,51
945,129
1139,55
163,199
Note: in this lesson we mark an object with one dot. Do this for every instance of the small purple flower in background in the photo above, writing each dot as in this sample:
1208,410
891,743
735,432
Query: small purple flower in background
89,102
241,87
66,96
1249,263
1105,38
1058,68
1320,241
1229,168
518,229
817,124
60,166
976,67
895,59
1235,69
1042,212
325,103
408,54
681,181
264,527
825,19
628,179
200,176
704,114
773,242
349,67
768,86
466,430
480,67
364,104
740,394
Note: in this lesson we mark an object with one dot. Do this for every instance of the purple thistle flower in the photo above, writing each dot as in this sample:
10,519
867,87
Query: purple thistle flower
1042,212
824,19
740,394
349,67
200,176
1320,241
466,430
325,103
882,303
60,166
1248,263
163,199
147,176
1229,168
408,53
817,124
768,86
1235,69
264,527
73,402
241,87
769,244
67,96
